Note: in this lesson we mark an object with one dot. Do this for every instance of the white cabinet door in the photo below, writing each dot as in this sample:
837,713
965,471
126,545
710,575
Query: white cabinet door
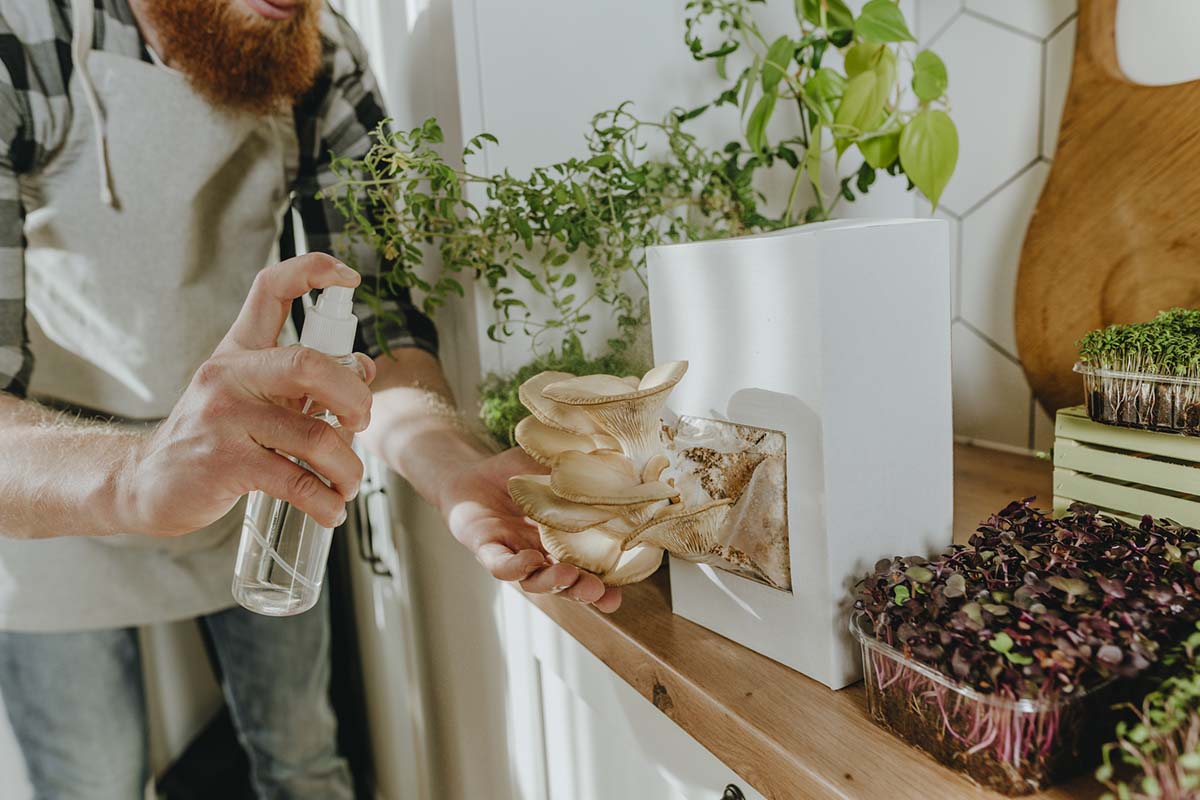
580,732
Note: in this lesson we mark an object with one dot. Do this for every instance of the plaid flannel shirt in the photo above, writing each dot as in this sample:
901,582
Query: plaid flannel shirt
337,115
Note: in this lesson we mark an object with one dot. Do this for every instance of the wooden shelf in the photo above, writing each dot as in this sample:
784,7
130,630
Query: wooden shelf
787,735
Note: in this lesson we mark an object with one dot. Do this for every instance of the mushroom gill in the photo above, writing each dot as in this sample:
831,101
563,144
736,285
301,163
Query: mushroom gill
688,532
632,416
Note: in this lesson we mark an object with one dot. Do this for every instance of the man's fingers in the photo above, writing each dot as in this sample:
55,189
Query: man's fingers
506,565
270,299
311,440
610,601
280,478
295,372
552,580
368,367
588,589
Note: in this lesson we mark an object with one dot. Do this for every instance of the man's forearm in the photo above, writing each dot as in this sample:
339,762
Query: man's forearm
415,427
59,477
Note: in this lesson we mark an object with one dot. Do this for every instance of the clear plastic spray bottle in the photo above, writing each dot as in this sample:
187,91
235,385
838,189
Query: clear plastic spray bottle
281,559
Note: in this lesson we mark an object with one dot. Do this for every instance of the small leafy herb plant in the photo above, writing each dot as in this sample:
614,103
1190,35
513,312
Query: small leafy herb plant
1157,755
1004,649
1145,375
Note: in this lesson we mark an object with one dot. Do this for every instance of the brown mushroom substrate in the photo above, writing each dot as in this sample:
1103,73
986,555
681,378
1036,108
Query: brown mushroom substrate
718,459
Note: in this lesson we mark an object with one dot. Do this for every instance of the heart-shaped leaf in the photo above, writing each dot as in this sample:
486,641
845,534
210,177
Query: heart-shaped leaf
928,150
929,80
882,21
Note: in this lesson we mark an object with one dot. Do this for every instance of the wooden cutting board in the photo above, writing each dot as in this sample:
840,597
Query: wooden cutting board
1115,236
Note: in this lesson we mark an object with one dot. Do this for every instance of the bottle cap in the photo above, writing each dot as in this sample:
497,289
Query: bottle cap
329,326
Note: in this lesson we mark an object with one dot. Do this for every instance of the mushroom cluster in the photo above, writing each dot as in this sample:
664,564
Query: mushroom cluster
610,504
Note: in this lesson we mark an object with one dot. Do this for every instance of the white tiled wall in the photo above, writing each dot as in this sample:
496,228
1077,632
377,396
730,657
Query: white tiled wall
1009,63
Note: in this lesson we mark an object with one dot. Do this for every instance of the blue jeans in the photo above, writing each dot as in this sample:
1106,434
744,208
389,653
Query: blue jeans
76,703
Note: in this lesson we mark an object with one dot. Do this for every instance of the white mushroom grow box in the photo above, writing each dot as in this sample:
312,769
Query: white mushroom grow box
823,350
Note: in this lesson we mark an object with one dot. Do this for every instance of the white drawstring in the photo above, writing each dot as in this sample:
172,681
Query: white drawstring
81,45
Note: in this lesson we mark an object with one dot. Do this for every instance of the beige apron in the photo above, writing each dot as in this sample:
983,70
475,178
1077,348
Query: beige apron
144,232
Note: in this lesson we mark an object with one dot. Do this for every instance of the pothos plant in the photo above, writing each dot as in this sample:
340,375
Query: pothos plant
605,207
863,104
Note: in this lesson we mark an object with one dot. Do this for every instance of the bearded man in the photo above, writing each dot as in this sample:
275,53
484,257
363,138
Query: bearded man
148,152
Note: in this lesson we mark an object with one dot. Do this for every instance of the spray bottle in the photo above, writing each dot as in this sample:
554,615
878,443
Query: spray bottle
281,558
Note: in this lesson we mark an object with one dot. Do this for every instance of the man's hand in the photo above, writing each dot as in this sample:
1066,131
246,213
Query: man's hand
242,406
476,506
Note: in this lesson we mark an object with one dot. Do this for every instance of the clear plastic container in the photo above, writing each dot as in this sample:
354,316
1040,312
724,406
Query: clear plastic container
1015,747
281,557
1142,400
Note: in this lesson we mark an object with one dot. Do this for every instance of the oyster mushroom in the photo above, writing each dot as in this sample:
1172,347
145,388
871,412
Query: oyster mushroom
689,532
544,443
600,553
603,478
550,413
605,506
532,493
631,416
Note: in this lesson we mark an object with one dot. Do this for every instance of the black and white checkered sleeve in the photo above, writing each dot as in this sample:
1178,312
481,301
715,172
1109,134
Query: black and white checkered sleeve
34,67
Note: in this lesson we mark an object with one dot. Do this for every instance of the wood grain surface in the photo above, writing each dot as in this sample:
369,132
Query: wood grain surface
1115,236
789,736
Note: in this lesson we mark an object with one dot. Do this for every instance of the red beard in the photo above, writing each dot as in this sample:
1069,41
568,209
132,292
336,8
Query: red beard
235,59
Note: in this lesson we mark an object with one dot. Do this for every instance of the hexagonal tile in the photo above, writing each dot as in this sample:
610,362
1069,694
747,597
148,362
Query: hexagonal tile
932,16
991,249
1036,17
991,397
995,94
1060,51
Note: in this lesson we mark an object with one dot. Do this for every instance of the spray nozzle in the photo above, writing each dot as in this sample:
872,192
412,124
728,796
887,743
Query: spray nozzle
336,302
329,325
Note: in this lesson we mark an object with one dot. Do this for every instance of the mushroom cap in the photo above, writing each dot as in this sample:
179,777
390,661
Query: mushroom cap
634,565
587,390
599,553
632,416
544,443
592,549
686,532
654,467
539,502
603,478
550,413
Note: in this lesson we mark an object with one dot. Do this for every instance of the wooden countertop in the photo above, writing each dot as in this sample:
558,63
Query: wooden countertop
788,736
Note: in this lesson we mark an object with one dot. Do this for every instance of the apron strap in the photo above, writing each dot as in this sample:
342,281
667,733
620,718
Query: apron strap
83,18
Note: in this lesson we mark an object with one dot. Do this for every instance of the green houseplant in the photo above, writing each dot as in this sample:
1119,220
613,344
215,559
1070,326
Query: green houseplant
860,105
510,232
555,246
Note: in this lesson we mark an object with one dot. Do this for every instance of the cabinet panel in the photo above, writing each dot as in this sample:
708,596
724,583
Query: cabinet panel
600,739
